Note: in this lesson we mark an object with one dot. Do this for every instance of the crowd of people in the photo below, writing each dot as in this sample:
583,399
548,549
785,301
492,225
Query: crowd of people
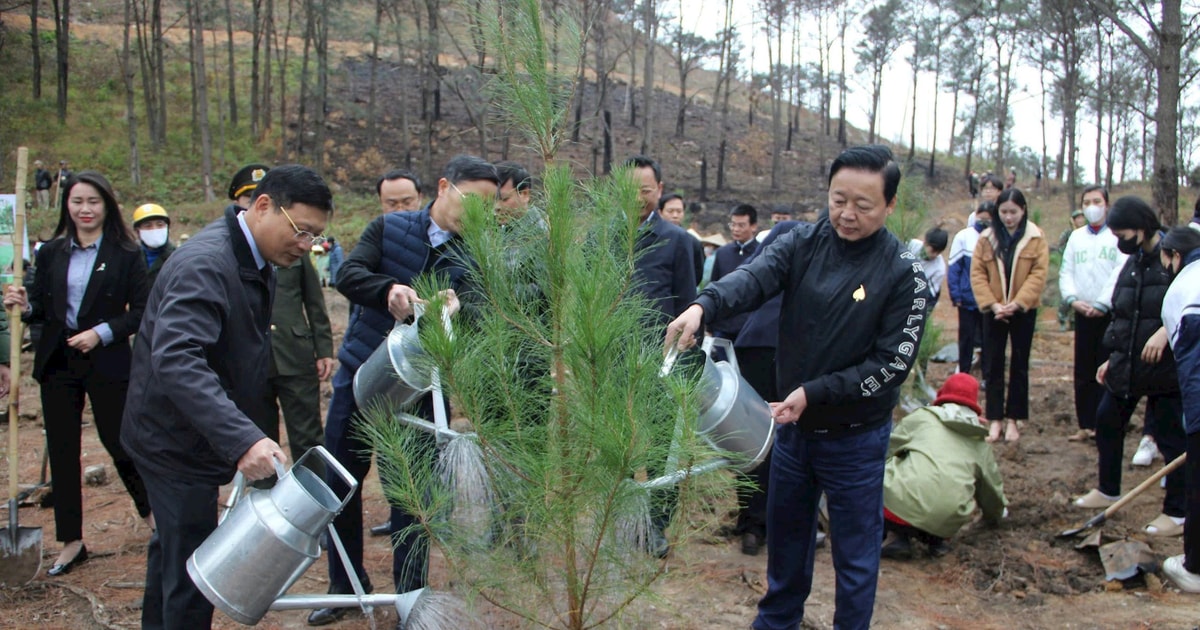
189,356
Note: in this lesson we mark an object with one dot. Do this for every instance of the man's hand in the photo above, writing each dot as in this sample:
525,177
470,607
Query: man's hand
85,341
1085,309
15,296
999,311
452,305
682,331
1152,352
400,301
5,380
1101,372
258,462
324,368
791,408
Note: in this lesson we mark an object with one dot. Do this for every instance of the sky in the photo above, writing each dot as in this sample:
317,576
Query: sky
895,117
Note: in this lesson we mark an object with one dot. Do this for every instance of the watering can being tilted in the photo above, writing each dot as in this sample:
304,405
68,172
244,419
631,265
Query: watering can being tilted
733,418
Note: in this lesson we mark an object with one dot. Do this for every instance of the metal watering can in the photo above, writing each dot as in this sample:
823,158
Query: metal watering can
733,417
268,540
389,374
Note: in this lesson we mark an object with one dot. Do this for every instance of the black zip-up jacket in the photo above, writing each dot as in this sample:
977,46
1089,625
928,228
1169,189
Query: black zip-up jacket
852,319
1137,314
198,389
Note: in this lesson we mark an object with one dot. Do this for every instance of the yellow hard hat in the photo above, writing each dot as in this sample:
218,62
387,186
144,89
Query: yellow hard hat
150,211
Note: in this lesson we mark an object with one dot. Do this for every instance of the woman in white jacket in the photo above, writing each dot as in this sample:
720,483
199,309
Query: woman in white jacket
1089,261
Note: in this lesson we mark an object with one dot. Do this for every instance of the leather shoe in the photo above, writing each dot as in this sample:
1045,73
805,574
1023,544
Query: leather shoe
382,529
326,616
750,544
65,568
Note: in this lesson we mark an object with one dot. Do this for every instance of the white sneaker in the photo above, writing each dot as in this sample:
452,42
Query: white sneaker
1146,452
1186,580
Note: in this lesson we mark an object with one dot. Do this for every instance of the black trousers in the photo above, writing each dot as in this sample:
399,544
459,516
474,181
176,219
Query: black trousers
185,513
996,335
757,366
969,323
1166,414
1191,527
299,397
1089,354
68,378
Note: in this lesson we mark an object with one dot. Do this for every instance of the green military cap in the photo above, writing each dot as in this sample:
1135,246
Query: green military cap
246,180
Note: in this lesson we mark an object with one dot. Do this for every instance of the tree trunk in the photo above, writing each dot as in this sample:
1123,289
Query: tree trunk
62,34
776,67
232,75
135,169
322,49
256,32
1097,172
953,120
650,23
200,95
1165,185
35,42
141,22
841,131
160,72
405,137
371,89
305,97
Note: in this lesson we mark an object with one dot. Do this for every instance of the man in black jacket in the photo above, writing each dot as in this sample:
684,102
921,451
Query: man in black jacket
665,268
377,278
198,386
854,308
743,224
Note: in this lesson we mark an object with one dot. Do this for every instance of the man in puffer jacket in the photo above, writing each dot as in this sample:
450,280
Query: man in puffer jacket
938,469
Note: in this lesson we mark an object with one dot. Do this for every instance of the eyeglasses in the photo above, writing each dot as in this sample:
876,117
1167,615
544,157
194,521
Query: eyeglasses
301,235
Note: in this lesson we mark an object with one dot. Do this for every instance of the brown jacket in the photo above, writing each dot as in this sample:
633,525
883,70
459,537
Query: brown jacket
988,281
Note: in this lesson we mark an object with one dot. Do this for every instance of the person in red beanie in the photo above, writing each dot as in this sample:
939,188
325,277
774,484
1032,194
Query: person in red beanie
938,469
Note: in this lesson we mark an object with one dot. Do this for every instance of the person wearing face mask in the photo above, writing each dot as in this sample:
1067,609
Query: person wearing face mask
153,226
1008,273
959,283
1180,253
1089,260
1140,364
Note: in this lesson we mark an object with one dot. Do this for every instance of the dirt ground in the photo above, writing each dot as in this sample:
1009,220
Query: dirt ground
1014,576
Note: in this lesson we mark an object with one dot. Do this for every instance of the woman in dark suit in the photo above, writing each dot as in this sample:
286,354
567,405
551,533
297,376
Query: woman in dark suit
89,293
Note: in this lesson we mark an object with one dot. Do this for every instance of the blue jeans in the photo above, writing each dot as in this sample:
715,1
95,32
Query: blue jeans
410,554
849,470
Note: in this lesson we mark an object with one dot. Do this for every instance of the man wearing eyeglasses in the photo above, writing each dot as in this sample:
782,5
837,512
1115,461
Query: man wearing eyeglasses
378,275
200,366
301,336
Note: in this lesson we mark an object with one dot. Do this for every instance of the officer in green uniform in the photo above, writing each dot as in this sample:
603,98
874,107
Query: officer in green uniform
301,341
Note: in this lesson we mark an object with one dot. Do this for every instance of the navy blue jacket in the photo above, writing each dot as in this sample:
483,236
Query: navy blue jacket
394,249
852,318
665,271
730,256
1181,314
761,329
198,389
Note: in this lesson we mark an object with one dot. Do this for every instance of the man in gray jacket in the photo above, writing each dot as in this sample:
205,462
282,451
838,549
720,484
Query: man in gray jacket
199,378
854,308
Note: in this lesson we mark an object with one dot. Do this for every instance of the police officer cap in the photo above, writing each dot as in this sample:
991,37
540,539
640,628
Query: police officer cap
246,180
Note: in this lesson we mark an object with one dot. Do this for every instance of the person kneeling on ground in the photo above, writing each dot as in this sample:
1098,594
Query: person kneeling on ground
938,468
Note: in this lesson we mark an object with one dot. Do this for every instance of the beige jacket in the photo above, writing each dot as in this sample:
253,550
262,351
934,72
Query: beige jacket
1029,270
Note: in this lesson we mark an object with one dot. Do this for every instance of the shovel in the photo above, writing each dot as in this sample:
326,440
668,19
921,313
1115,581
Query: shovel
20,547
1100,518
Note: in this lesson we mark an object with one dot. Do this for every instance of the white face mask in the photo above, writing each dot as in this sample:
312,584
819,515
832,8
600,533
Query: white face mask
154,238
1093,214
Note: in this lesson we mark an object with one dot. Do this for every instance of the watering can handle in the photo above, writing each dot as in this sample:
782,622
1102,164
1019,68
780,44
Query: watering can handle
669,361
333,464
727,345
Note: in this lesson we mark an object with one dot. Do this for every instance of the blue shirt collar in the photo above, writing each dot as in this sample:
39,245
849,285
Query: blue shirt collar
258,259
437,236
75,244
